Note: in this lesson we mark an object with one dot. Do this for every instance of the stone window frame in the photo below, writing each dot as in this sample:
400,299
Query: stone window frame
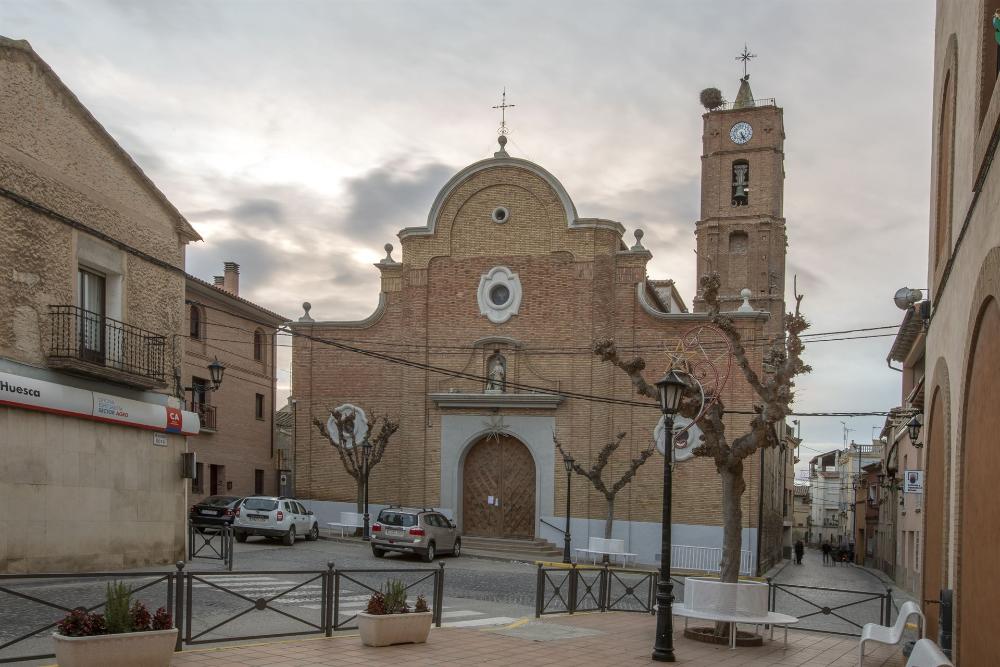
499,313
259,343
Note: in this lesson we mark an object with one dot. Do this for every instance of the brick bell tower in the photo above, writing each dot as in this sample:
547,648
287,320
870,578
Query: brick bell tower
741,233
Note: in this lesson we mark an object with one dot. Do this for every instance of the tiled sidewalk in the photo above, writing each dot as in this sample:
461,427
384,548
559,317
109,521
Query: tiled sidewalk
584,640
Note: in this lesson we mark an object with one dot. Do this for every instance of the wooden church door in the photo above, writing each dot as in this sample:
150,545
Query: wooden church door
498,494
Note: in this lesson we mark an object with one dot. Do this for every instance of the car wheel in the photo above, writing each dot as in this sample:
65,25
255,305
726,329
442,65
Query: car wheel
314,533
241,537
289,538
457,549
429,554
378,553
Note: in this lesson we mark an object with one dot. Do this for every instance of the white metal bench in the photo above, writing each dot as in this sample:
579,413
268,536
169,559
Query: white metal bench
599,546
348,520
873,632
745,602
927,654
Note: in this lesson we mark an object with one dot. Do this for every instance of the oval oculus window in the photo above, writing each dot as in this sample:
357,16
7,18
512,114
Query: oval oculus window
500,295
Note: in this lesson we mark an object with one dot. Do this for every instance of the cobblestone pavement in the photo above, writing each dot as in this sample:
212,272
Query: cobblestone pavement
845,610
582,640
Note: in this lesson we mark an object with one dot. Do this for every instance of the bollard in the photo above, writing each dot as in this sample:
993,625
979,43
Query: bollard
179,602
539,591
439,594
328,598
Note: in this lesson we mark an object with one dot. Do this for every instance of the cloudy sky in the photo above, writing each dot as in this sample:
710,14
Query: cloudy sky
299,137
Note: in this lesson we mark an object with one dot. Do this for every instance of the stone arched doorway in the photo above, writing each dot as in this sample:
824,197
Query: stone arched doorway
978,586
498,489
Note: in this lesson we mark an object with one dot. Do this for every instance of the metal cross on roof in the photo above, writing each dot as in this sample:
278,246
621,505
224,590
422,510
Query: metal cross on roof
745,57
503,106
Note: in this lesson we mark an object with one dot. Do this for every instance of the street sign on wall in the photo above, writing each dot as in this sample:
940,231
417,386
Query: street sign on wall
913,481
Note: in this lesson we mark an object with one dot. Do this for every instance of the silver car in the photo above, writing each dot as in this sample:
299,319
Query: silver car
425,532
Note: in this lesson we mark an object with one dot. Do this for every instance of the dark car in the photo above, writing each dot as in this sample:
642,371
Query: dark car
215,511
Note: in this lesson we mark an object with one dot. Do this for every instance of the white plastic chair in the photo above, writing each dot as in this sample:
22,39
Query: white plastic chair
873,632
927,654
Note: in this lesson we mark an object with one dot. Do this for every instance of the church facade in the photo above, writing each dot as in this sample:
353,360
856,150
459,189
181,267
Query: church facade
494,305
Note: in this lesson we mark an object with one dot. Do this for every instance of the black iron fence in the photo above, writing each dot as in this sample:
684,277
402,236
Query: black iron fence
836,611
561,590
92,337
206,606
212,542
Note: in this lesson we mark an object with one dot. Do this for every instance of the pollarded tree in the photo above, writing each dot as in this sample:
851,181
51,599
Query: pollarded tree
351,448
595,475
774,391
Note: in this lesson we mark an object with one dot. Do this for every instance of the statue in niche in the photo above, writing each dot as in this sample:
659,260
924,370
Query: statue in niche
496,373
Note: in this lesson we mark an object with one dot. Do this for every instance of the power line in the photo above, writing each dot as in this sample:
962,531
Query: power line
517,385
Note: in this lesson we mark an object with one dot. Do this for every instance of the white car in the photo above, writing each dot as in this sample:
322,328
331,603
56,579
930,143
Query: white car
272,516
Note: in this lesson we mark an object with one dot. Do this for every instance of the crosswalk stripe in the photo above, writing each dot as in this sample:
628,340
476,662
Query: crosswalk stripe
281,585
475,622
234,578
458,613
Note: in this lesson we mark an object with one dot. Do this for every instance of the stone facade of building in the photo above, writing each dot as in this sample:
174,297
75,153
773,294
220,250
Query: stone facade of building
504,290
92,297
961,420
236,448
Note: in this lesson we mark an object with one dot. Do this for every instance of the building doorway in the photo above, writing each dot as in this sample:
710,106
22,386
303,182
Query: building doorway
498,489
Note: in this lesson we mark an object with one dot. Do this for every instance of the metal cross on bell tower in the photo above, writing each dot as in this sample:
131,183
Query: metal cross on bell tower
503,106
745,58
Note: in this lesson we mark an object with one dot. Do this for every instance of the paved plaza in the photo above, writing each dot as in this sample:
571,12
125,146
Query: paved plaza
584,640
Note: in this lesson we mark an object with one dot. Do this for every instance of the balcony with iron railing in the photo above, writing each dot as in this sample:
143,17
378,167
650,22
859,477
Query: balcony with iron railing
760,102
87,343
206,415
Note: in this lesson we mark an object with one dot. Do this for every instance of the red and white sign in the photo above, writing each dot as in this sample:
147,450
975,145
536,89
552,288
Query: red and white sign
24,392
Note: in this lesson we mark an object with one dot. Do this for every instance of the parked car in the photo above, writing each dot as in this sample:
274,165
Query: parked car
215,511
272,516
424,532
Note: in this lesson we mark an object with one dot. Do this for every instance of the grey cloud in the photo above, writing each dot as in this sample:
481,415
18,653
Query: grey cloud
393,196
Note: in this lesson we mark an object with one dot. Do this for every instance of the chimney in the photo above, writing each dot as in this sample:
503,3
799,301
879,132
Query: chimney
231,282
219,281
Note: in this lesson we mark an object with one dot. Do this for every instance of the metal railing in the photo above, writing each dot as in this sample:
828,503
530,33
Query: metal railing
706,559
561,590
180,592
835,611
202,543
83,335
206,415
758,102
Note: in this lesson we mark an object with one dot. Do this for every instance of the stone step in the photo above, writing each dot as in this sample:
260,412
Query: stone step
499,545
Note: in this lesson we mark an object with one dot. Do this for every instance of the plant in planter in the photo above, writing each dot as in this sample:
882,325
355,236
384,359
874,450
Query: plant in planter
388,620
125,635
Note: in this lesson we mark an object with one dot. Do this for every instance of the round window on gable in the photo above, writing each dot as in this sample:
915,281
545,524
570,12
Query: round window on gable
500,295
500,215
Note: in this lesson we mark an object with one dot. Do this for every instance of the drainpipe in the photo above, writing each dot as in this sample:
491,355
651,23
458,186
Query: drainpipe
760,511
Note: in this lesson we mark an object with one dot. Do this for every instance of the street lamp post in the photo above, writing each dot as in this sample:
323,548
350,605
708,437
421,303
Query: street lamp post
366,450
568,462
671,386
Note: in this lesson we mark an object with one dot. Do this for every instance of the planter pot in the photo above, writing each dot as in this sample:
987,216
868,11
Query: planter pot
388,629
149,649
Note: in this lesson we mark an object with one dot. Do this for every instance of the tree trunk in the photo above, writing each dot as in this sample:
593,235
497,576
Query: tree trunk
610,521
361,503
733,487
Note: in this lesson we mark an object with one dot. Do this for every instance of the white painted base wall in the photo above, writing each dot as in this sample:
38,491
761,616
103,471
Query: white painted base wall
641,537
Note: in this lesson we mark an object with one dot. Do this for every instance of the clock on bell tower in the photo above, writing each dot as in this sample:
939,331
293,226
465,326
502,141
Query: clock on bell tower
741,233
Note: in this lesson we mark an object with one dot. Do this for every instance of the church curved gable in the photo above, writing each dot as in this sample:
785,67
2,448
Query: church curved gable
566,203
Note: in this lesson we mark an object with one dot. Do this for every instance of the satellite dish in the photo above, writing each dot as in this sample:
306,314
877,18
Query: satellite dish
906,297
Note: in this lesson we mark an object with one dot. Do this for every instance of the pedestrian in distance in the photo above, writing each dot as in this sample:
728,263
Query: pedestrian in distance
800,550
826,549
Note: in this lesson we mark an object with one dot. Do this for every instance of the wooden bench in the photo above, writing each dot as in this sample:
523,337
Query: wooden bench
745,602
348,520
599,546
873,632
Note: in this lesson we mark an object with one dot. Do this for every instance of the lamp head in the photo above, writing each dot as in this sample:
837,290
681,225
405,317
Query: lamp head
216,370
671,387
913,428
568,461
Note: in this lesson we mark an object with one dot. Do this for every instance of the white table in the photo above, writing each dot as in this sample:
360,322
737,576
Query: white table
772,619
